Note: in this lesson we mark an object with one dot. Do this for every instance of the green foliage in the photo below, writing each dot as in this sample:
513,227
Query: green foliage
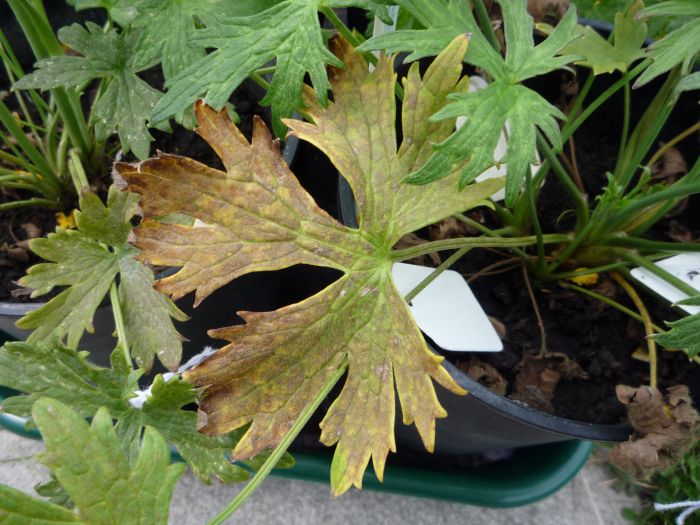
288,32
121,11
67,375
604,57
90,465
470,149
124,100
684,333
681,482
87,261
681,46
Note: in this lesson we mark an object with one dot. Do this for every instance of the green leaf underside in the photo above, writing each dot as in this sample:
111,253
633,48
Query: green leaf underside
67,376
685,333
257,217
91,466
681,46
470,149
604,57
288,32
126,101
87,261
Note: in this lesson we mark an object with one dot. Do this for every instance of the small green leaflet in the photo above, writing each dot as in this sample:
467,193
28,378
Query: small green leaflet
685,333
681,46
87,261
288,32
470,149
604,57
90,465
126,100
121,11
67,375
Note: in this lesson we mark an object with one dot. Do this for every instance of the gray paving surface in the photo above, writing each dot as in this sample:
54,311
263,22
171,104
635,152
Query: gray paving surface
588,500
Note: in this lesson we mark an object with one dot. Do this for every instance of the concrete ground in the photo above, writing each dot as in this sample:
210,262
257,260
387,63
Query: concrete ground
588,500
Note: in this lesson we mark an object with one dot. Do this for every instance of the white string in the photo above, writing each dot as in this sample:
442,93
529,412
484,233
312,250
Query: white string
689,506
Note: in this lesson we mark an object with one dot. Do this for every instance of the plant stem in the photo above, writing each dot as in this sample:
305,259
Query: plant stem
46,203
675,140
661,273
475,242
77,172
435,273
625,124
648,325
535,220
579,199
280,449
610,302
538,314
119,323
485,23
657,246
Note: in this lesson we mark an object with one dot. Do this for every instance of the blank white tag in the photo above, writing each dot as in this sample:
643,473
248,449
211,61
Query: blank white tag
476,82
685,266
447,311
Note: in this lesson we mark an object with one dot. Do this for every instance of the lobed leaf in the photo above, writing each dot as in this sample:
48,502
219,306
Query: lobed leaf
67,376
126,101
680,47
256,216
88,261
288,32
505,102
602,56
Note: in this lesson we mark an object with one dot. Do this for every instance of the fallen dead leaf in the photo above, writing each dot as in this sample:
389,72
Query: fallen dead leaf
450,228
410,240
664,429
485,374
548,11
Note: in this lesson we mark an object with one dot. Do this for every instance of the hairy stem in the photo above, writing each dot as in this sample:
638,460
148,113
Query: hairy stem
648,324
280,449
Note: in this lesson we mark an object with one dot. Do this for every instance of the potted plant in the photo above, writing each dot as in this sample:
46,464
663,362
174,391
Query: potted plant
254,216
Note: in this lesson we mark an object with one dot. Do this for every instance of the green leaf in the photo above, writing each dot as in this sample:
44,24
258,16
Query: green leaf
257,217
18,508
88,260
289,32
67,376
602,56
443,21
470,149
680,47
90,465
689,83
121,11
685,333
126,101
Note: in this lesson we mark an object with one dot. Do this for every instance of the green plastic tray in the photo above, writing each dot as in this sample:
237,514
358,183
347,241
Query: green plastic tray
531,474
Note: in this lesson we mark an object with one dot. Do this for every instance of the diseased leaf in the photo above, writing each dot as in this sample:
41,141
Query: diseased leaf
89,463
680,47
470,149
126,101
88,260
685,333
256,217
602,56
67,376
288,31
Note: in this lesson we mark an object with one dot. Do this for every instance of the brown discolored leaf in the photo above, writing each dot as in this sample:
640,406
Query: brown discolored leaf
256,216
670,167
538,376
449,228
665,426
485,374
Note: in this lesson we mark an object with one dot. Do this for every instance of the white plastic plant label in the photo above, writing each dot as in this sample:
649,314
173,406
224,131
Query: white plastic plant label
447,311
475,83
685,267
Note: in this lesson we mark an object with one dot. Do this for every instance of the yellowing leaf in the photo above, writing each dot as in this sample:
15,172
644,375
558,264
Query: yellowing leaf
256,216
